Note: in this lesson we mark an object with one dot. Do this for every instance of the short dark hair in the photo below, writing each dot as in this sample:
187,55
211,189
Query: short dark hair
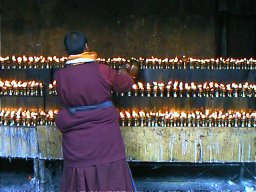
74,42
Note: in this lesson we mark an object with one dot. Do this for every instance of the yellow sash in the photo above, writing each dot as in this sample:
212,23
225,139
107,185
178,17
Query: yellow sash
87,55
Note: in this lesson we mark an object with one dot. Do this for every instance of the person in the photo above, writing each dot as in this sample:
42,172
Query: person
93,148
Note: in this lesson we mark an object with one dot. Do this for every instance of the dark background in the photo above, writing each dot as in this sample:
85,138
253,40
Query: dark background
162,28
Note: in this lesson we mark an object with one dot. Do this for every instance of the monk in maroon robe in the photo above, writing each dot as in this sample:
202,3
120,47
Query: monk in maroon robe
93,148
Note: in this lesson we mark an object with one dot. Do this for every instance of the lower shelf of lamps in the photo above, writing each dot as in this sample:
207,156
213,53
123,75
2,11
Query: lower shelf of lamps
143,144
51,123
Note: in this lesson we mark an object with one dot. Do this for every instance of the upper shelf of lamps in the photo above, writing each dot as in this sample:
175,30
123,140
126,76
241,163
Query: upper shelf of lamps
42,62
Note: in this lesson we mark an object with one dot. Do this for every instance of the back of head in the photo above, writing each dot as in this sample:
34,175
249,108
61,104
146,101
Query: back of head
75,42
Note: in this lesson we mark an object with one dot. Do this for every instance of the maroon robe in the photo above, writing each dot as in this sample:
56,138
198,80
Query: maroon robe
91,138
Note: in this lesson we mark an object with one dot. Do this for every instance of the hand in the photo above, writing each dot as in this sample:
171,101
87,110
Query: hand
133,68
